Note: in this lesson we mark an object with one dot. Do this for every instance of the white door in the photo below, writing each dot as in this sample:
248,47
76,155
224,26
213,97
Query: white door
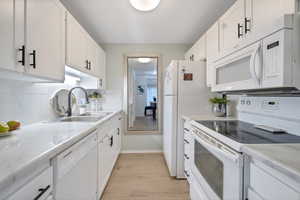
170,82
76,44
232,28
170,133
45,38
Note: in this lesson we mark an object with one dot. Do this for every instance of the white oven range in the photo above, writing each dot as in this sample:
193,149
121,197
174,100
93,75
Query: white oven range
217,159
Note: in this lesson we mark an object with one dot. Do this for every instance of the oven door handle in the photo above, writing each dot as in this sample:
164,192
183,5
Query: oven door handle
234,156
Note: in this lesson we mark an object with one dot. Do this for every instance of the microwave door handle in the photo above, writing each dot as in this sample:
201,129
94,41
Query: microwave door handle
207,144
253,64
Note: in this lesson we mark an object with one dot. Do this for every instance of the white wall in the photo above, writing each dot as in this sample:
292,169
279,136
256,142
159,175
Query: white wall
115,84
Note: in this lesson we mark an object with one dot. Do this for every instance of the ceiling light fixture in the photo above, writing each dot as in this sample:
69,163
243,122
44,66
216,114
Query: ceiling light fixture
144,5
144,60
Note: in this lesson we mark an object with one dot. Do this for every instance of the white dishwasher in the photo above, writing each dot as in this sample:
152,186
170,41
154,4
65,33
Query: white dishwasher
75,171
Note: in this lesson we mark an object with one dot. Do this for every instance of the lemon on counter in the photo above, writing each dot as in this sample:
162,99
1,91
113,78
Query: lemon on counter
4,128
13,125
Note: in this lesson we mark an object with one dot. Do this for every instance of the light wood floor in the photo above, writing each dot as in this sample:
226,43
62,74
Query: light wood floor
144,124
144,177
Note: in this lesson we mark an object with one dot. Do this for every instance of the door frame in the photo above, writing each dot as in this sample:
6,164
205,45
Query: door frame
159,92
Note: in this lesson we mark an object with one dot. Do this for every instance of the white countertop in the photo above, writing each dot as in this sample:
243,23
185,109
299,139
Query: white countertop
282,157
36,144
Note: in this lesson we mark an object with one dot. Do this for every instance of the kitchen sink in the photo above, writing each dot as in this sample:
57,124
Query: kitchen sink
84,118
81,119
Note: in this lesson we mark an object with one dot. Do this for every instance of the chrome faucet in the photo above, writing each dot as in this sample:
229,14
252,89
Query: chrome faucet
69,111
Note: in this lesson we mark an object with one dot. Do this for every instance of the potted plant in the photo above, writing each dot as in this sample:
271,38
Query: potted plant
219,106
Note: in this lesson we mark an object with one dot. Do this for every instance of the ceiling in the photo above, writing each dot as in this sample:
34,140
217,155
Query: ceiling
174,21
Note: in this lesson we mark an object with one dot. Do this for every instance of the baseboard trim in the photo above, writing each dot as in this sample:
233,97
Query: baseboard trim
141,151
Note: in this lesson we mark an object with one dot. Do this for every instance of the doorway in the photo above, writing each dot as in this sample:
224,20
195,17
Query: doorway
143,94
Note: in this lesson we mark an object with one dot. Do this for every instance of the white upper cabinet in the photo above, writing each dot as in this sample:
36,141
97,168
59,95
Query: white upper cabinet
232,28
197,51
265,16
12,49
101,69
91,55
212,51
45,39
76,45
41,54
7,49
83,53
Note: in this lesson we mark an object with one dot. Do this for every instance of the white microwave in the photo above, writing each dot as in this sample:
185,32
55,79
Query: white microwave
273,62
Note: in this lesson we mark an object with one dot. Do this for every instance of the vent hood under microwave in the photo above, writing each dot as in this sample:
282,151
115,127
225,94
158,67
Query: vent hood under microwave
273,62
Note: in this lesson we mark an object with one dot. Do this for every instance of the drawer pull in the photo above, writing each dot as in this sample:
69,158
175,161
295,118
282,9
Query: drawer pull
186,173
186,156
186,129
42,192
186,141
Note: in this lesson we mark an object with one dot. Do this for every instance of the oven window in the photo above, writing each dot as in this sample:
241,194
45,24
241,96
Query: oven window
210,167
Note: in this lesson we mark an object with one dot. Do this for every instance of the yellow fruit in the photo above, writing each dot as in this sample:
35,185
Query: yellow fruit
13,125
4,128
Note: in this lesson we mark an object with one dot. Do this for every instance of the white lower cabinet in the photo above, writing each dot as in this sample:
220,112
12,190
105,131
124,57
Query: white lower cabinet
262,182
109,147
40,188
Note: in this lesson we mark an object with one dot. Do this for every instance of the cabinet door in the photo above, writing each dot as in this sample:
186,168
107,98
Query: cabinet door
231,28
265,17
91,55
76,45
212,50
45,38
197,51
12,35
101,67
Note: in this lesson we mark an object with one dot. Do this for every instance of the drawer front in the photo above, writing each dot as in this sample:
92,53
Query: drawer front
260,178
37,189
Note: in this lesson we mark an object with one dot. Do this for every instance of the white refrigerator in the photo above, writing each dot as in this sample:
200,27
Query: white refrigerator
185,93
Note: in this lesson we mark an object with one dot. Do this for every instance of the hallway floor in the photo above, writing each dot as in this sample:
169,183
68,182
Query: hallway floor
144,124
144,177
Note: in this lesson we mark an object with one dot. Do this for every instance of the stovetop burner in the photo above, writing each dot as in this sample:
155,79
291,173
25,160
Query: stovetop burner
246,133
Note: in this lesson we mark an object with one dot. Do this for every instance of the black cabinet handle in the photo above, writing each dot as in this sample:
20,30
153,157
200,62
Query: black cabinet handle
22,61
42,192
239,30
90,65
118,131
186,156
186,173
111,141
247,25
87,64
186,141
186,129
33,54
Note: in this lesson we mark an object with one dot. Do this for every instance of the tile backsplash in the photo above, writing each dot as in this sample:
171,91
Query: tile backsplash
27,102
30,102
